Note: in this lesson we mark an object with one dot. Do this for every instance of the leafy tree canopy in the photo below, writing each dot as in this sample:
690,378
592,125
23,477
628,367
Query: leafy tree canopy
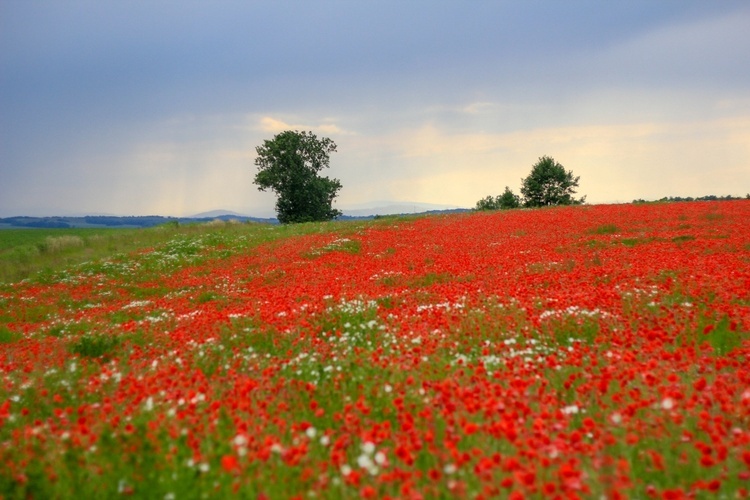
508,199
289,165
549,184
504,201
487,203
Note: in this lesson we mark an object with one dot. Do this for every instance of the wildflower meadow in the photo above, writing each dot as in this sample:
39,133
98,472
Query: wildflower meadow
570,352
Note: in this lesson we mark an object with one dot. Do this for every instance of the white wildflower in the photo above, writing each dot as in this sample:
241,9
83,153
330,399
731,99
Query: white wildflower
570,410
240,440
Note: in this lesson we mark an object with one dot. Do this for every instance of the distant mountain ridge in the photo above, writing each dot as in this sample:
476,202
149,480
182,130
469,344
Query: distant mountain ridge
212,214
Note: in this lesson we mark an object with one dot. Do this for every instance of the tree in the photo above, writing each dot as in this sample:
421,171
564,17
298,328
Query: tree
508,199
549,184
289,164
487,203
504,201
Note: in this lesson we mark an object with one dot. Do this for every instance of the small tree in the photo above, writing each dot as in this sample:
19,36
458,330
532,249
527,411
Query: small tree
504,201
487,203
508,199
289,164
549,184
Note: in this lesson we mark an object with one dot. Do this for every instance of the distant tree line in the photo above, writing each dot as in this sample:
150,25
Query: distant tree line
548,184
37,222
709,197
97,220
140,221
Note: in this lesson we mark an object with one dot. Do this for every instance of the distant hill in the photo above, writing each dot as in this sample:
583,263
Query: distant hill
116,221
213,214
100,221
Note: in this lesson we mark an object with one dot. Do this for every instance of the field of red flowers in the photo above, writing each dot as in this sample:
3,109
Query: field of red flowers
589,351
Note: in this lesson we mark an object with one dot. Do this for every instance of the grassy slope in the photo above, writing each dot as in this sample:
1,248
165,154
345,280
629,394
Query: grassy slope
27,252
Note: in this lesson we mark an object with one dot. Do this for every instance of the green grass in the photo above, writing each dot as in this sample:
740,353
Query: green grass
26,252
683,238
631,242
32,253
605,229
51,255
95,345
8,336
13,238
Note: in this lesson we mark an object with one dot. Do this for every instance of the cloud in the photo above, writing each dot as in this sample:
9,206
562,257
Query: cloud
479,107
616,162
690,53
275,125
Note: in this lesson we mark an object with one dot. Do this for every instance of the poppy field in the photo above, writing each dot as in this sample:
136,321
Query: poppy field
571,352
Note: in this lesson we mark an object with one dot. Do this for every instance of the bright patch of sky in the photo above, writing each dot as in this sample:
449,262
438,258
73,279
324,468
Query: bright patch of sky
137,108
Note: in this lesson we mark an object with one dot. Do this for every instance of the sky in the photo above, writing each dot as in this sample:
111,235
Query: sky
156,107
